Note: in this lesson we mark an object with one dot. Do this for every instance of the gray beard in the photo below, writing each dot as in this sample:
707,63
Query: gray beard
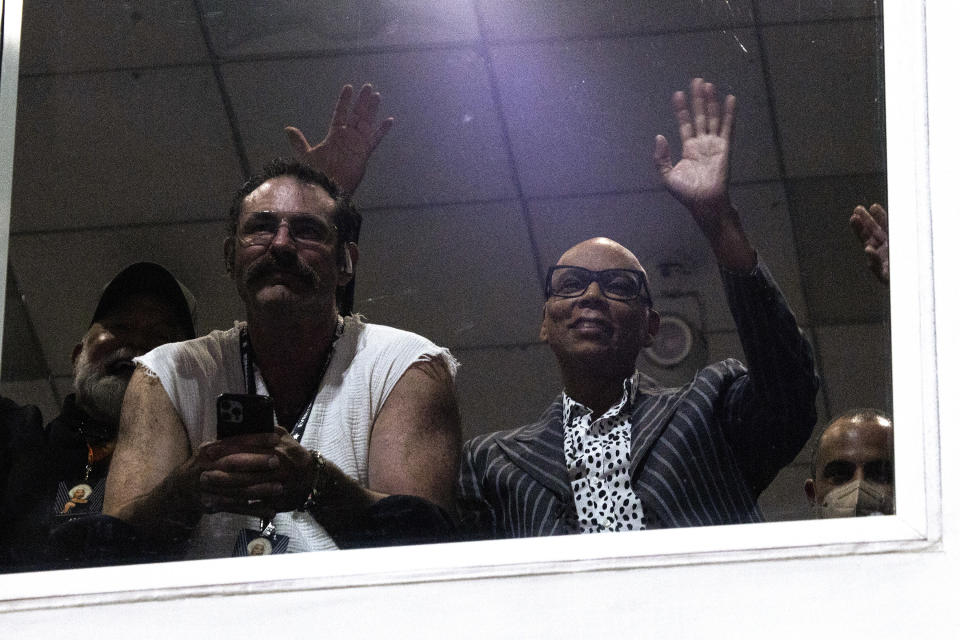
98,392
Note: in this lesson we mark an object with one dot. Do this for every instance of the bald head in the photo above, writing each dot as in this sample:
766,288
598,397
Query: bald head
856,447
597,254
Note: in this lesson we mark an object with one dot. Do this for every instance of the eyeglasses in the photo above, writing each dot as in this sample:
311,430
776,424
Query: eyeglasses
616,284
307,231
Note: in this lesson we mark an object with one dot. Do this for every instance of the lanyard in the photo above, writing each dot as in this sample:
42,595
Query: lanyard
247,364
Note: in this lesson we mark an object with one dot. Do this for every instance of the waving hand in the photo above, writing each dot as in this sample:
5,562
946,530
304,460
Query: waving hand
700,180
870,226
351,139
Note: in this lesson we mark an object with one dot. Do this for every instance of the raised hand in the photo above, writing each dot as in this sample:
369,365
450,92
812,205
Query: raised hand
871,228
351,139
699,180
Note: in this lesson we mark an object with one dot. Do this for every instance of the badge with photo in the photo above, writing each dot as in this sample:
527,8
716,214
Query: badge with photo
79,498
251,542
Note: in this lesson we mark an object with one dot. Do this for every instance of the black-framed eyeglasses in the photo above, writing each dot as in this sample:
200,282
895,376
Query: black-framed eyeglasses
616,284
306,230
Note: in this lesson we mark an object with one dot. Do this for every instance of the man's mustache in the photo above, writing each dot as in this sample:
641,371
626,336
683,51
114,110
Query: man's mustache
268,265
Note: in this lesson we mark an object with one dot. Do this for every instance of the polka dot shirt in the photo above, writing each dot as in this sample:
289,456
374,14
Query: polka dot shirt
597,453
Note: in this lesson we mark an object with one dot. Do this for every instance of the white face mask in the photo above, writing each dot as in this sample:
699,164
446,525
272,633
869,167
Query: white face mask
857,498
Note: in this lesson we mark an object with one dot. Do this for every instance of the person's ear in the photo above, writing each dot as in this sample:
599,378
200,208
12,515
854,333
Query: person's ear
810,491
653,326
348,266
76,352
543,323
229,254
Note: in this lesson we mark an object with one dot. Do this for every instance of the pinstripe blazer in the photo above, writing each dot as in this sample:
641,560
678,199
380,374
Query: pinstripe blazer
700,454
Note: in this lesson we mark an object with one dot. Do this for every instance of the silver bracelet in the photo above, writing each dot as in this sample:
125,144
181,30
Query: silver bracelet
316,487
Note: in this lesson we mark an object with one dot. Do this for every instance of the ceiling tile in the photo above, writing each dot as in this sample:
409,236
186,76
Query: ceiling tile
64,273
59,36
666,240
825,83
460,275
446,144
534,19
767,221
123,147
651,224
254,27
796,10
582,115
855,363
505,387
839,286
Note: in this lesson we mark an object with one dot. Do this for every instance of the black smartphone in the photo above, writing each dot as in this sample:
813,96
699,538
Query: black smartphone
241,413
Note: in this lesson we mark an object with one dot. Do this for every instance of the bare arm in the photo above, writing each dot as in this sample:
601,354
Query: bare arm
766,416
413,451
416,438
151,444
157,485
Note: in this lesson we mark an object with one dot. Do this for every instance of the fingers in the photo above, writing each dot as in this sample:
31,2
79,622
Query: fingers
729,111
865,226
682,114
342,110
697,103
859,225
703,115
247,485
298,142
878,261
868,229
252,452
365,108
661,156
262,461
712,109
381,131
880,215
241,474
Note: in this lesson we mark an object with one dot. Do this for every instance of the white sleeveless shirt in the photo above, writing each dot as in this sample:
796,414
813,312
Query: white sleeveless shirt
368,360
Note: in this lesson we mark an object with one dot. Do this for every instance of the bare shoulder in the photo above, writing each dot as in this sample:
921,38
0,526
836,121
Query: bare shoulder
426,385
151,443
147,412
416,437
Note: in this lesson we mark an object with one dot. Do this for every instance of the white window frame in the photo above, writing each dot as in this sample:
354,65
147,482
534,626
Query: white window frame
916,527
